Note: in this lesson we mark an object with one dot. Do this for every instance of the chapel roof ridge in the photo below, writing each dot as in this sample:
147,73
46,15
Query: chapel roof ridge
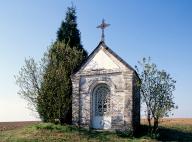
117,56
103,44
114,54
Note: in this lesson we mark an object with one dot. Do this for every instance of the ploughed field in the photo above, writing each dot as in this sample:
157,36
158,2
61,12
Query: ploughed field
14,125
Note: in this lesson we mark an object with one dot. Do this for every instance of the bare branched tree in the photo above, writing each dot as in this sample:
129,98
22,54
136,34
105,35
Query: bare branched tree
156,91
29,80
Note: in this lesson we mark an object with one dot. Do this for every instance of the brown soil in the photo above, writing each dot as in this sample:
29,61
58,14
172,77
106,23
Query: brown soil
14,125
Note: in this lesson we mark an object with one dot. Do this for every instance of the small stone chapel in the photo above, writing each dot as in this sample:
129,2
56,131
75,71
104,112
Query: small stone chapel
106,94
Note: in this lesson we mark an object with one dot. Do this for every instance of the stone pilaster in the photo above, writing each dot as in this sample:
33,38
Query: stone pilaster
75,100
128,99
136,103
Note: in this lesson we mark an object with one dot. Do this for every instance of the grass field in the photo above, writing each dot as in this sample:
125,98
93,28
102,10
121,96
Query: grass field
170,130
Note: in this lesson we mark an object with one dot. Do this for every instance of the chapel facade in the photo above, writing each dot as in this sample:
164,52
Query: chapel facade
106,93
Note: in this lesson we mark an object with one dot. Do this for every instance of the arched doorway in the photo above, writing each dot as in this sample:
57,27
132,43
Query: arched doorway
101,118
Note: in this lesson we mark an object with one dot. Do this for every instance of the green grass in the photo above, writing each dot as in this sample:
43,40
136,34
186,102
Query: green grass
47,132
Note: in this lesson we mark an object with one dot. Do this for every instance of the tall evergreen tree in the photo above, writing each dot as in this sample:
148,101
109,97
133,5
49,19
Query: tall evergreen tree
64,57
54,103
47,85
68,31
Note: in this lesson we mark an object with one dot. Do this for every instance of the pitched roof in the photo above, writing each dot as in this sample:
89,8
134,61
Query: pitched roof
102,43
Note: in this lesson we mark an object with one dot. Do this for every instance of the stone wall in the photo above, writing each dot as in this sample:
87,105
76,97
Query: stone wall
122,101
75,100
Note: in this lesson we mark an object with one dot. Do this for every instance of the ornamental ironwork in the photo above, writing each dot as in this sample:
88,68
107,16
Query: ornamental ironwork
102,100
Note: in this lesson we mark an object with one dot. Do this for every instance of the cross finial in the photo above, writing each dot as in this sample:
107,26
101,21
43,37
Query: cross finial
102,27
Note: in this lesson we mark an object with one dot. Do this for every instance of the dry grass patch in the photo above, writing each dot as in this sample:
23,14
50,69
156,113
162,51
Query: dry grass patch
171,121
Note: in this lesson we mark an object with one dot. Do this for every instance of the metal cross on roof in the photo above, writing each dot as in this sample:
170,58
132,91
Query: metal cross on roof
102,27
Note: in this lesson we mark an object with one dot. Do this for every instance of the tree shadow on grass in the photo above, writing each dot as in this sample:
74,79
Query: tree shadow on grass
165,134
177,133
172,134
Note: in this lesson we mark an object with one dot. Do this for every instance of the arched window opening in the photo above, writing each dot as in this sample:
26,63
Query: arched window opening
102,100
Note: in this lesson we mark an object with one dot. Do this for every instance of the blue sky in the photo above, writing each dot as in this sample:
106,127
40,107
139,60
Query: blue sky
161,29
